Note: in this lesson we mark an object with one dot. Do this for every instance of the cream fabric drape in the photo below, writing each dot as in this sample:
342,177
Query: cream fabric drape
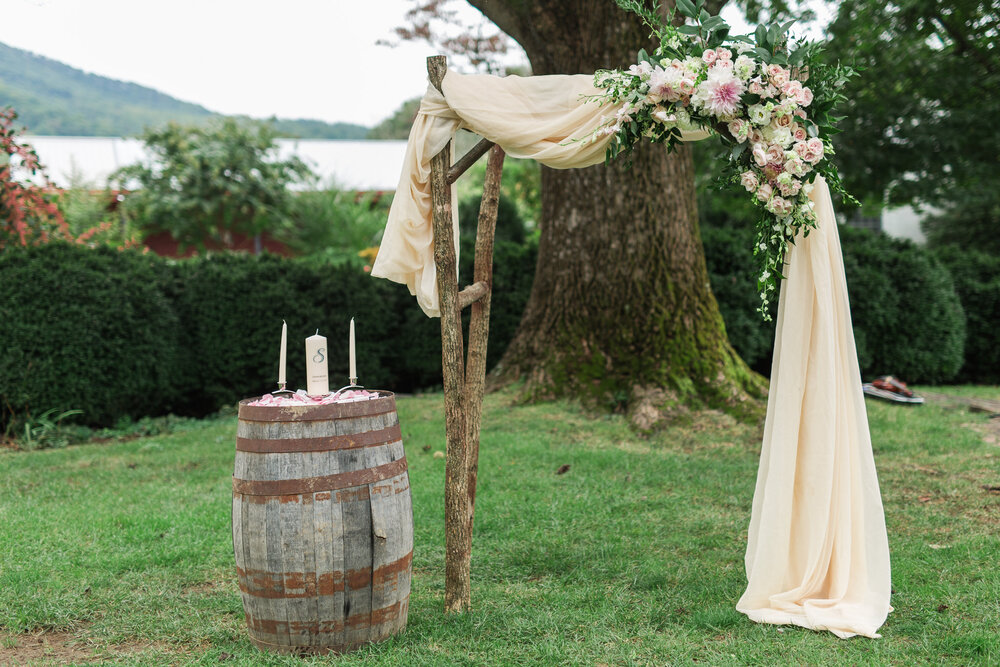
817,553
544,118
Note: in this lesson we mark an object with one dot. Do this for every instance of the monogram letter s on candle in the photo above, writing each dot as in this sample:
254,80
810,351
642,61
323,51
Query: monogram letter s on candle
317,376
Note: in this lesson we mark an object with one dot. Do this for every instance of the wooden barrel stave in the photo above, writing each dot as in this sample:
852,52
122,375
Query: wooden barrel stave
316,573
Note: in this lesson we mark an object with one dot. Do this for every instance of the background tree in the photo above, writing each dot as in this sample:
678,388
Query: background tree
621,314
210,181
397,126
918,127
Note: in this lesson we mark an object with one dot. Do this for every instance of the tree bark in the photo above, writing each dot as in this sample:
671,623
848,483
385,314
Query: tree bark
621,313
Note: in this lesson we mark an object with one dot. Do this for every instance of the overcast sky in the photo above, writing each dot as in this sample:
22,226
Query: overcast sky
289,58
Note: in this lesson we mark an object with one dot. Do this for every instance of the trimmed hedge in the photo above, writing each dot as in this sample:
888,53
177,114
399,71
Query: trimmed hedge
120,334
89,329
977,282
907,317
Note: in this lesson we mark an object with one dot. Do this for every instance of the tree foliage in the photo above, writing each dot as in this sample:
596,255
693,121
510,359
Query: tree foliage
919,122
208,182
397,126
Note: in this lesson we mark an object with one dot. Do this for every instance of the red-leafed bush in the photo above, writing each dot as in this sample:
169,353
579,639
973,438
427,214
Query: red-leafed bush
28,216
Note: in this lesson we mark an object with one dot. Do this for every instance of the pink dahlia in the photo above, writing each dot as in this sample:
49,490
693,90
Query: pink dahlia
720,93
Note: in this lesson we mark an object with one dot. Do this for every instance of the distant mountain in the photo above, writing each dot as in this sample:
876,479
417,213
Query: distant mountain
56,99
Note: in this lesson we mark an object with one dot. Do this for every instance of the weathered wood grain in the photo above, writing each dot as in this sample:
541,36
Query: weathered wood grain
322,569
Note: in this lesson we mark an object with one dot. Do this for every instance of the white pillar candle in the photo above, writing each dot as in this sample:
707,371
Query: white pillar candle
353,366
282,354
317,377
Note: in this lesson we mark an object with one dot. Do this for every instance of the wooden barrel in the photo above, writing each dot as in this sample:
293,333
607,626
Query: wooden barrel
322,524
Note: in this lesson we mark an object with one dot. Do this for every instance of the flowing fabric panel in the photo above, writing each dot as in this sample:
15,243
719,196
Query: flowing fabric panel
817,554
546,118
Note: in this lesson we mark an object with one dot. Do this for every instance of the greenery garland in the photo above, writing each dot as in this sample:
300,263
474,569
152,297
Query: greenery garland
751,92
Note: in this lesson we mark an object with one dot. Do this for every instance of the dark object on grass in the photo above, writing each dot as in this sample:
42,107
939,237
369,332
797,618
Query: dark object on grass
892,389
564,468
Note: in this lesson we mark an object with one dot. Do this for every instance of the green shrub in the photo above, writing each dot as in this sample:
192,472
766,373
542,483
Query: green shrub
232,306
907,318
123,336
977,282
730,261
86,329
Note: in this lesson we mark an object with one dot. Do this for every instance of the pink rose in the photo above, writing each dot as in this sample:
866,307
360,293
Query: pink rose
723,54
805,98
760,154
783,121
792,89
749,180
779,206
802,148
815,145
778,75
738,128
764,192
800,113
799,133
775,154
709,57
795,166
756,88
687,86
790,189
756,137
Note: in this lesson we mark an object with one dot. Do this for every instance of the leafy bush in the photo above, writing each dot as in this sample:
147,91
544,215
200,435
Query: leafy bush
977,282
731,269
907,318
335,224
122,335
87,329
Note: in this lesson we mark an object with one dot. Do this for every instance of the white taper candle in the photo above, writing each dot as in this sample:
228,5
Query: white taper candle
282,355
354,366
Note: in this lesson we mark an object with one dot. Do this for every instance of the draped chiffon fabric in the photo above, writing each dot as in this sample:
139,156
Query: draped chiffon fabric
817,553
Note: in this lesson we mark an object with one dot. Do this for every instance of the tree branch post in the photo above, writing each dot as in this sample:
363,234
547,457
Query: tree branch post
463,384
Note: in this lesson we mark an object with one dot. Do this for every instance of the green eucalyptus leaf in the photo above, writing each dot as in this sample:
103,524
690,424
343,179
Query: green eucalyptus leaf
704,16
773,34
761,35
686,8
713,22
689,30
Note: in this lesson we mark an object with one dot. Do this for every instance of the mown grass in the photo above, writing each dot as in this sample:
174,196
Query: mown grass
634,556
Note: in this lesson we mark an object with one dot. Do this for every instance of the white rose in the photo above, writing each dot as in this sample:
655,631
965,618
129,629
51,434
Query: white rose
759,114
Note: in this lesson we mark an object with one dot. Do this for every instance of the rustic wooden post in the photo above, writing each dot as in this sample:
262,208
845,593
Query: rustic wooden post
463,383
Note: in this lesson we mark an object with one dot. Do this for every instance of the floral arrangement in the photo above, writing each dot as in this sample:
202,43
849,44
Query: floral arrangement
750,91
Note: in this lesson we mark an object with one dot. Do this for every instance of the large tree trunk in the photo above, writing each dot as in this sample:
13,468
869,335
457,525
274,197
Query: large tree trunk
621,313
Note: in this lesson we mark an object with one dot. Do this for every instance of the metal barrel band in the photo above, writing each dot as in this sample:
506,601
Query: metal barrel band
344,480
322,444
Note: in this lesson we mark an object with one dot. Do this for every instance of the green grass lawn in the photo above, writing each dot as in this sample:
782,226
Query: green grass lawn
632,557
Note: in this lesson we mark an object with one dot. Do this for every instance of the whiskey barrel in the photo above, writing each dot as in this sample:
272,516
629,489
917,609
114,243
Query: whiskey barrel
322,524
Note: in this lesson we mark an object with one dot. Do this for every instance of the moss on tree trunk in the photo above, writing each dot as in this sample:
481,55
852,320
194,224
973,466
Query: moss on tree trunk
621,314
